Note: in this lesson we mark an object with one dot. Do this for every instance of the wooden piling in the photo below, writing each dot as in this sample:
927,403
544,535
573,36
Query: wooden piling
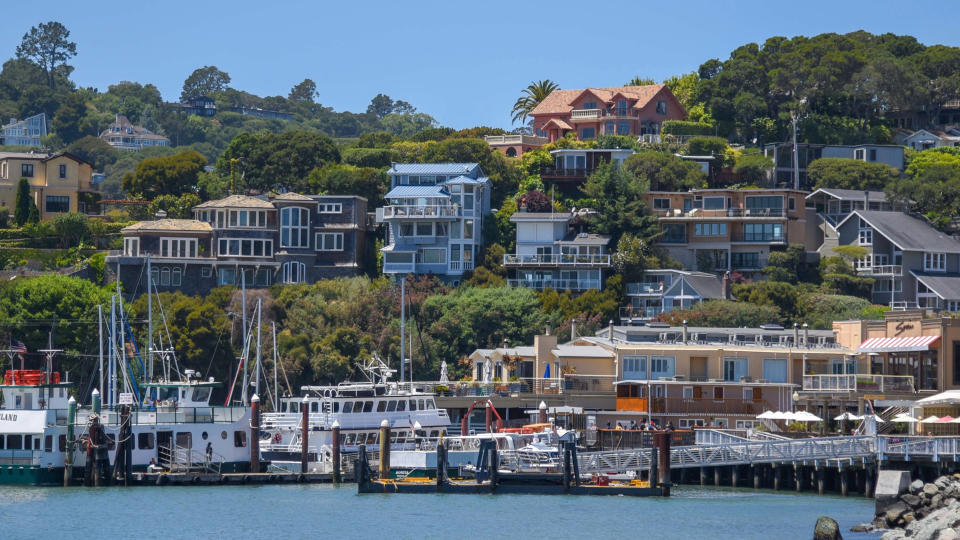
662,442
716,476
68,457
843,480
734,476
798,476
819,480
776,477
304,434
255,434
868,481
385,449
703,476
756,473
335,446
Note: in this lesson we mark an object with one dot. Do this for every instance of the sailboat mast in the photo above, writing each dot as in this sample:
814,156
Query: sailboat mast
112,394
149,321
100,342
276,381
243,302
403,322
259,368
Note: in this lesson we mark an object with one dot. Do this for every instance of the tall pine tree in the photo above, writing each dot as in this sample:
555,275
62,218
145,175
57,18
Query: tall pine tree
21,212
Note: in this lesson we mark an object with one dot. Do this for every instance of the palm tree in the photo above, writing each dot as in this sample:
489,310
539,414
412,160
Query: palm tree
532,96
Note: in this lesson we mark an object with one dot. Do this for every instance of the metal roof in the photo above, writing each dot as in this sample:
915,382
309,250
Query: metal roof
400,192
947,286
907,232
433,168
851,194
467,180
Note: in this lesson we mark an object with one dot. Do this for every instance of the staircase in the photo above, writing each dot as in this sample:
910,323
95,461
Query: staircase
831,238
180,459
887,415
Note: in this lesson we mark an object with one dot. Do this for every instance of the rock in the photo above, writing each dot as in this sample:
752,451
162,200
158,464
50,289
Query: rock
936,501
894,512
911,500
930,490
942,482
948,534
916,486
826,529
908,518
863,528
893,535
890,485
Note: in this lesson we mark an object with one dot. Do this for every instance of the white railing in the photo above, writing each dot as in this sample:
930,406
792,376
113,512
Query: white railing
858,382
510,259
926,447
557,284
457,266
428,211
581,114
634,289
881,270
516,139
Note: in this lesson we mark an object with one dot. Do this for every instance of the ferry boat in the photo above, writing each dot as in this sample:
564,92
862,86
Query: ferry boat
359,408
183,429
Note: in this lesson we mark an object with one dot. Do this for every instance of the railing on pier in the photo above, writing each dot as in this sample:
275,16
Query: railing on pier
932,448
858,382
566,384
180,459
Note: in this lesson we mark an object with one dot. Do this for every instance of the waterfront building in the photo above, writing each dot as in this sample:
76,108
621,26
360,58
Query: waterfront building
290,238
912,263
123,135
26,132
553,252
572,166
434,218
58,181
637,111
199,106
664,290
731,229
925,139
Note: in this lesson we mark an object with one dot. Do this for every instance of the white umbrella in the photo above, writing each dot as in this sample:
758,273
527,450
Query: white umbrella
847,416
804,416
875,417
767,415
955,421
901,418
784,415
929,420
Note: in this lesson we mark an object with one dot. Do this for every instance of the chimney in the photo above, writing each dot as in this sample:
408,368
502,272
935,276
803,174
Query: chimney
866,200
796,335
806,335
725,286
573,329
548,331
610,331
685,335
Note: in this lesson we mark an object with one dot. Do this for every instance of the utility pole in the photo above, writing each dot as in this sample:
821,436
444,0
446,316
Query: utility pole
796,153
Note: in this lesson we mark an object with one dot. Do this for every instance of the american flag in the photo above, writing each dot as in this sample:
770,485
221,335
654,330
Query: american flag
18,347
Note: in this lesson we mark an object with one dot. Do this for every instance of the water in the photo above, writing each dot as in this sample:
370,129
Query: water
322,511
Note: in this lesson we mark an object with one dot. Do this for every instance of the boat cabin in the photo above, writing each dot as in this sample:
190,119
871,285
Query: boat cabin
34,389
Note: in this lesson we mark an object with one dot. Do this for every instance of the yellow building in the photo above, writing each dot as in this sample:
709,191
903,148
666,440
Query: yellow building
56,180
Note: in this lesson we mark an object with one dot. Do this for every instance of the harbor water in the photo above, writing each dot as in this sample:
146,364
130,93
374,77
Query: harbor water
325,511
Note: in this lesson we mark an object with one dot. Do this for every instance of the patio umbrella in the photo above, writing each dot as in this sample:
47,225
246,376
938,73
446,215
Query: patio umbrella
805,416
767,415
546,372
904,418
946,420
784,415
955,421
929,420
875,417
847,416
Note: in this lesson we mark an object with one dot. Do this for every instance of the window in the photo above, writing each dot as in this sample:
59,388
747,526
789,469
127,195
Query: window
661,106
48,443
294,272
688,392
793,203
662,366
57,203
714,203
145,441
775,369
590,105
763,232
176,277
608,128
432,255
330,208
734,368
131,247
674,233
588,133
245,248
661,204
770,204
63,171
623,127
240,439
423,229
294,227
468,229
178,248
165,277
710,229
329,241
873,154
26,170
935,262
226,276
859,154
634,367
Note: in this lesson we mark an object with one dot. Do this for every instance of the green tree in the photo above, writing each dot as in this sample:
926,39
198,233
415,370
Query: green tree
266,160
532,96
205,81
380,106
617,195
630,259
93,150
305,90
176,207
340,179
724,314
640,81
753,167
778,294
820,310
838,276
21,212
665,172
788,266
67,121
166,175
840,173
48,45
72,228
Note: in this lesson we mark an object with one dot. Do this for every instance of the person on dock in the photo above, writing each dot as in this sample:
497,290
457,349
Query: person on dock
670,425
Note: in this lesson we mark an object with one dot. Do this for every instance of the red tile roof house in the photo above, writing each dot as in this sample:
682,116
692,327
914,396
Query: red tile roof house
626,110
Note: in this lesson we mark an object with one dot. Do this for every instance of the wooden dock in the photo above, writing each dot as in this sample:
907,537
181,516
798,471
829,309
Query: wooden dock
216,479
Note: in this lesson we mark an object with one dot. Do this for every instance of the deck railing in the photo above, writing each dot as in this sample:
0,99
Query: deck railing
561,259
428,211
858,382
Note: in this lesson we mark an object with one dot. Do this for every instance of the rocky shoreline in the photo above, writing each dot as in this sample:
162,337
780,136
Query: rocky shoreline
924,512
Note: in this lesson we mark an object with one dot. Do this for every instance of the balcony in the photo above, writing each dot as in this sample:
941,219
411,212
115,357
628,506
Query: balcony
630,313
699,213
431,211
695,406
562,172
858,383
585,114
556,284
884,270
758,238
747,263
643,289
532,140
561,260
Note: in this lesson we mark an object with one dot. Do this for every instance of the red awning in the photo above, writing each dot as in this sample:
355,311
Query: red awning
898,344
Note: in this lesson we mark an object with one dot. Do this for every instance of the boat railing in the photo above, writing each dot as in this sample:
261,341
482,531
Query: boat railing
185,415
20,457
182,459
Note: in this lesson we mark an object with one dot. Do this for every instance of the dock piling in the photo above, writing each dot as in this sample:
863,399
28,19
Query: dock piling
68,457
335,436
662,441
385,449
255,434
776,478
305,434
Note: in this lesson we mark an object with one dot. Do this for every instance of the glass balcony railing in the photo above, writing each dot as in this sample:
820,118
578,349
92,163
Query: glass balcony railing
511,259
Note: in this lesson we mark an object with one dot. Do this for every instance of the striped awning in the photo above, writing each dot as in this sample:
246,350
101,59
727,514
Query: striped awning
897,344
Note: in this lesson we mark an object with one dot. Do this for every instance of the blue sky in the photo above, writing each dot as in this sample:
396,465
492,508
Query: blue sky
463,63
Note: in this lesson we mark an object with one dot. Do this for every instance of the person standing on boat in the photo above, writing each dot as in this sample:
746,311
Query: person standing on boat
209,453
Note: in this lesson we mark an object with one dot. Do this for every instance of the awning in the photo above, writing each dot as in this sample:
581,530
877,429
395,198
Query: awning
897,344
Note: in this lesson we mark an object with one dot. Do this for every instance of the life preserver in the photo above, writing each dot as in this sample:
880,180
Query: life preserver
277,438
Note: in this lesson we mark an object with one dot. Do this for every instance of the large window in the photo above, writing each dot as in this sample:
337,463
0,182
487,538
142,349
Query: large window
329,241
662,366
661,106
623,127
763,232
734,368
587,133
634,367
131,247
26,170
745,260
866,234
295,227
765,202
775,369
57,203
935,262
674,233
294,272
248,218
710,229
178,247
432,256
661,204
239,247
714,203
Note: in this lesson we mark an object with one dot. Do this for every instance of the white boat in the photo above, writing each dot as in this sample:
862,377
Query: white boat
359,408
